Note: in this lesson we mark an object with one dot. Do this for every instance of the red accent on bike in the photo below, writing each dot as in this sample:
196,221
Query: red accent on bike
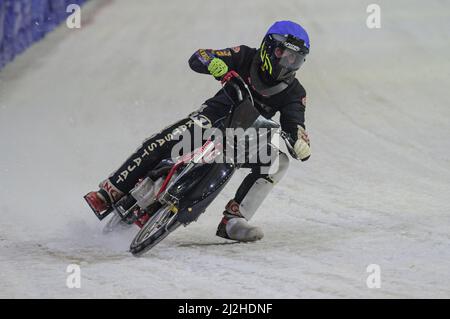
142,221
229,75
183,160
169,176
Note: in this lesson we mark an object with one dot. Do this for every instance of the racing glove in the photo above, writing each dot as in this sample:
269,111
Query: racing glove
217,68
302,145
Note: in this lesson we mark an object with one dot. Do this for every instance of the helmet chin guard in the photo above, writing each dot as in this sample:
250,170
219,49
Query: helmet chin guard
262,87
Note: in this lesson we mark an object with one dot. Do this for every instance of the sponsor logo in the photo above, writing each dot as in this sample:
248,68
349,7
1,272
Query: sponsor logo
222,52
291,46
150,148
204,55
112,191
201,120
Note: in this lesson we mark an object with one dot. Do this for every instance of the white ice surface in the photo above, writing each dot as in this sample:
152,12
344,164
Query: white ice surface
375,191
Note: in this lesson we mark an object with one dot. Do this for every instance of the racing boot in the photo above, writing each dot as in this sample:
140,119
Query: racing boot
100,201
235,227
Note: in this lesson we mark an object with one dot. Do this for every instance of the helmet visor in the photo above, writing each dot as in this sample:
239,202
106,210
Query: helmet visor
289,59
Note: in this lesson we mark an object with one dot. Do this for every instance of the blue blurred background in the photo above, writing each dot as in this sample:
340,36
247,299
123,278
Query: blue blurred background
23,22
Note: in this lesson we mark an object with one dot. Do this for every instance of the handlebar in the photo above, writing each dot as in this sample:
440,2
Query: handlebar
236,81
233,79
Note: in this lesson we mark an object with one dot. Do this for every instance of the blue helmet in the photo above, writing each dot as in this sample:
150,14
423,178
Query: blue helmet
283,50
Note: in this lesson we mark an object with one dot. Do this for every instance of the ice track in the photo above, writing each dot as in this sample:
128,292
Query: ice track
375,191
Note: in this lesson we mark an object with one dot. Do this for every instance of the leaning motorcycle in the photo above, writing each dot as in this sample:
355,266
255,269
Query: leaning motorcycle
176,193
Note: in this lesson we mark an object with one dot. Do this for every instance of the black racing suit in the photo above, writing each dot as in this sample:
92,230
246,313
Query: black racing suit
290,103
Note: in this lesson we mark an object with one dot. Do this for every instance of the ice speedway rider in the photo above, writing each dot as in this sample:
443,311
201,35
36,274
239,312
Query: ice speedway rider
270,73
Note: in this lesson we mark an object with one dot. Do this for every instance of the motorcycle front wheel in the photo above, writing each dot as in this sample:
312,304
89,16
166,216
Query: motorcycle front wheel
158,227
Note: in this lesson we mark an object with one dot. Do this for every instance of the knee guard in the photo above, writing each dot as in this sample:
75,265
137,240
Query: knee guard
256,186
